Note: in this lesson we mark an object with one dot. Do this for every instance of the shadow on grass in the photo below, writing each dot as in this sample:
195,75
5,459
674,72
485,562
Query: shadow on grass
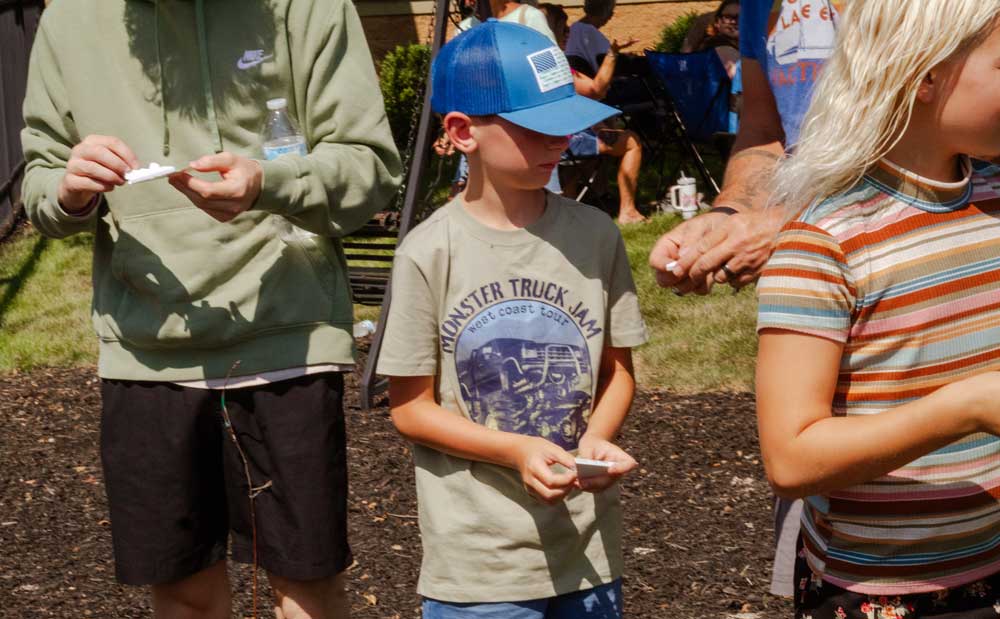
16,282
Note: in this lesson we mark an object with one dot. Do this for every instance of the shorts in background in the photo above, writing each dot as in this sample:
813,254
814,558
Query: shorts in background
584,144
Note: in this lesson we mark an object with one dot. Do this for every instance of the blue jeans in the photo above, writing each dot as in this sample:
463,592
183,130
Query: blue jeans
584,144
601,602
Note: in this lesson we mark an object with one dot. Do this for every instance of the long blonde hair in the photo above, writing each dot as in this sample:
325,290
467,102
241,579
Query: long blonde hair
864,98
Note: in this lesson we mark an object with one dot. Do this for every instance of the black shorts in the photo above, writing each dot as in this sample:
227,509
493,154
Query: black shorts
177,488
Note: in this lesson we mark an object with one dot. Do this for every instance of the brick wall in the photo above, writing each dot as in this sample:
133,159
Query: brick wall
642,21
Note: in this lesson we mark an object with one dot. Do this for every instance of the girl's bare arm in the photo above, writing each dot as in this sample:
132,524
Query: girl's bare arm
808,451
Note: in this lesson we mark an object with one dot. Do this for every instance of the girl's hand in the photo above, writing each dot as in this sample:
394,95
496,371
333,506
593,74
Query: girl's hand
534,457
596,448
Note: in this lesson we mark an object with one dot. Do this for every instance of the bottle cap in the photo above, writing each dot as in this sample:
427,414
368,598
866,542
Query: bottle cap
277,104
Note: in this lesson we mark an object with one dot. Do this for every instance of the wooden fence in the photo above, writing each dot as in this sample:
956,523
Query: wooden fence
18,22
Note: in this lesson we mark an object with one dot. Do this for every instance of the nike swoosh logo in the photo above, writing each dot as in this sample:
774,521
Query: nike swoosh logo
244,64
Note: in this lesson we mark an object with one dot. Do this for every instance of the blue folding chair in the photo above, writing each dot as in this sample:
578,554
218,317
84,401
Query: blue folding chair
698,90
699,86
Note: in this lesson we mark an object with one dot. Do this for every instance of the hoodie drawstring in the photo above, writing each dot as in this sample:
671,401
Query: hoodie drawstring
163,90
206,75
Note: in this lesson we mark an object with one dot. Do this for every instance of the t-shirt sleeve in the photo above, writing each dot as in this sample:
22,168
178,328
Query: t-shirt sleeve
807,285
535,19
750,27
626,328
410,341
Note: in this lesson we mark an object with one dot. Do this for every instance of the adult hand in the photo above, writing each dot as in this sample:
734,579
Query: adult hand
731,249
534,459
443,146
96,165
596,448
675,252
222,200
735,253
617,46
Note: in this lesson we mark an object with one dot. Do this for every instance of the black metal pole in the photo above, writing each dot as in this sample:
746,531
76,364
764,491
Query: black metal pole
425,132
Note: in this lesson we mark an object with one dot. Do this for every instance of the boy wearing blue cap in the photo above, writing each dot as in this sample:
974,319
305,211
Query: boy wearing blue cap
508,347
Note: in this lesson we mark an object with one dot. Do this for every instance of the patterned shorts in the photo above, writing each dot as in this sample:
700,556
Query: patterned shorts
816,599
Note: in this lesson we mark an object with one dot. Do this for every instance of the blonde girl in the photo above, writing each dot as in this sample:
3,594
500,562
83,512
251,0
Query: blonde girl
878,389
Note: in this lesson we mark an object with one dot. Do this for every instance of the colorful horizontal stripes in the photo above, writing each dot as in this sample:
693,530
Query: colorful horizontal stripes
906,274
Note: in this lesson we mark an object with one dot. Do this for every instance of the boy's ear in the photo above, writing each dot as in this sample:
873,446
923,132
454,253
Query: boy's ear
458,126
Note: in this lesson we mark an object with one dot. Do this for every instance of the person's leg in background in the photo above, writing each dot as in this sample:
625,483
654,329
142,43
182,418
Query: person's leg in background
583,147
625,145
461,176
204,595
314,599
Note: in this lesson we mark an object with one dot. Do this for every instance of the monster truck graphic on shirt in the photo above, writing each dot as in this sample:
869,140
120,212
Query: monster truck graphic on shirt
526,370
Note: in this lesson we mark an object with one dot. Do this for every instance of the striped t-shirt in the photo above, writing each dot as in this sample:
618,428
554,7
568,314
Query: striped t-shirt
906,273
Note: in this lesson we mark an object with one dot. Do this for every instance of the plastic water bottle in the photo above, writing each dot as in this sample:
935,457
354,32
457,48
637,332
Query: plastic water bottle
363,328
282,137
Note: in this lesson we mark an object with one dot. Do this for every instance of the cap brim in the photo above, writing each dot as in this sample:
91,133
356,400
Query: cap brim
563,117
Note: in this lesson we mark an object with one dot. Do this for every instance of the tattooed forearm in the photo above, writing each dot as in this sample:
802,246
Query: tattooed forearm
748,177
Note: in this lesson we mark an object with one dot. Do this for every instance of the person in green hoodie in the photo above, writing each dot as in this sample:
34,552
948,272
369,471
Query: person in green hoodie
203,303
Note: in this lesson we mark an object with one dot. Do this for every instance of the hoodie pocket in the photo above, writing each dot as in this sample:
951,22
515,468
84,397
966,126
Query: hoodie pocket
183,280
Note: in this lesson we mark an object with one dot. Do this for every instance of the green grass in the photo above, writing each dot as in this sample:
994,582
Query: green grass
697,343
45,295
366,312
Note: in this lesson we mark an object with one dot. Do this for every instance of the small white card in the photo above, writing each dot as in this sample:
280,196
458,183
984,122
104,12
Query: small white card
585,467
153,172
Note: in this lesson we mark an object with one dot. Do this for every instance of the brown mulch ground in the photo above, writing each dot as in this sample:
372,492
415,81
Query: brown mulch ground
698,526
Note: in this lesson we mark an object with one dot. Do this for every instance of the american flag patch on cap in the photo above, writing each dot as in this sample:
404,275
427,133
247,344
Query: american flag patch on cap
551,69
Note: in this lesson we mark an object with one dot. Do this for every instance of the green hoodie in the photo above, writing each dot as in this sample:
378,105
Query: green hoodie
177,295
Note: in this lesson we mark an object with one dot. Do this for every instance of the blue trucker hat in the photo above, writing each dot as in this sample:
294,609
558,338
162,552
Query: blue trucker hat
516,73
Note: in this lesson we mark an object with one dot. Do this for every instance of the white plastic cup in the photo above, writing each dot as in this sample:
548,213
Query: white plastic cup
363,328
684,196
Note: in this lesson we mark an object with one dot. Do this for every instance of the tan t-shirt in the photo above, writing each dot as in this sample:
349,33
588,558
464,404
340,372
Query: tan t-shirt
513,323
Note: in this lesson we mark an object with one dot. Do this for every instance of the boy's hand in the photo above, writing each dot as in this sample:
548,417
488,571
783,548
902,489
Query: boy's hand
534,458
596,448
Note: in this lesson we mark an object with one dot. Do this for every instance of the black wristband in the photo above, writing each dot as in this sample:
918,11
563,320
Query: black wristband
725,210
